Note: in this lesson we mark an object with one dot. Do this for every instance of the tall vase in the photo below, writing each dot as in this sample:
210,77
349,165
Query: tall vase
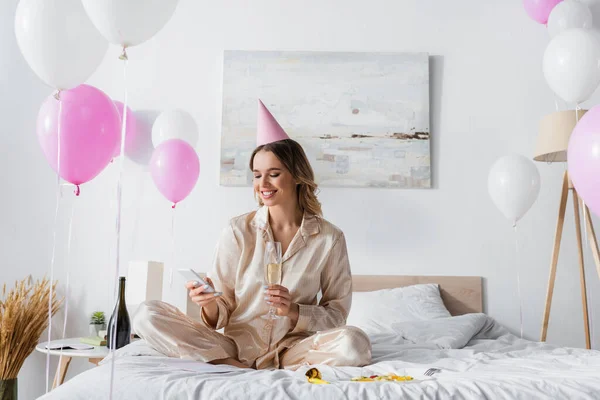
8,389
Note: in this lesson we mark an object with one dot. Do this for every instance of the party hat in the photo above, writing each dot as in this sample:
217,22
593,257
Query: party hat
268,129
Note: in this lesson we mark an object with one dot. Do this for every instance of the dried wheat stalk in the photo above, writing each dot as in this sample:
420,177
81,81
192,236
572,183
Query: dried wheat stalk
23,319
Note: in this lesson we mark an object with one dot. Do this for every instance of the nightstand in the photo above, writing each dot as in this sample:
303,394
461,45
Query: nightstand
94,356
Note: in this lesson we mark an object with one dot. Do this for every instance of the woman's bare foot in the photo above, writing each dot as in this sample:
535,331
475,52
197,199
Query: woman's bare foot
229,361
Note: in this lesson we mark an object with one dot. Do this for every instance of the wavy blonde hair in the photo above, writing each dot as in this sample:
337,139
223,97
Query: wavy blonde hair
292,156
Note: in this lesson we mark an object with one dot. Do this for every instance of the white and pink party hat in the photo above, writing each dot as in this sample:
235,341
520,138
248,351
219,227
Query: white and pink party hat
268,129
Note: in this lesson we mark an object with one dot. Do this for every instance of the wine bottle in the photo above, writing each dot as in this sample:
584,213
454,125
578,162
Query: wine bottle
119,320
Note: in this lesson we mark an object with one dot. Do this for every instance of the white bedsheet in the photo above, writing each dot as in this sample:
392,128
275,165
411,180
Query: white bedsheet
477,358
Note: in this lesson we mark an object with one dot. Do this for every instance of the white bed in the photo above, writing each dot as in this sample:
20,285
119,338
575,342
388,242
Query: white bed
476,357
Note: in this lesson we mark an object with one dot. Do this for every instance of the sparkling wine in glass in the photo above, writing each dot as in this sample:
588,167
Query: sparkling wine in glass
272,262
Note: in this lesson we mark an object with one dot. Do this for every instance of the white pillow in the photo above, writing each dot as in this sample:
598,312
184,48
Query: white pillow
376,312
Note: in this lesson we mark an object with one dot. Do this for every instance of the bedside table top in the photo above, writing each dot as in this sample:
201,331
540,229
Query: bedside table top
96,352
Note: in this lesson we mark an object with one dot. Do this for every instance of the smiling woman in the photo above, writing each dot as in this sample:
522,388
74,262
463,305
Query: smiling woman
314,259
282,168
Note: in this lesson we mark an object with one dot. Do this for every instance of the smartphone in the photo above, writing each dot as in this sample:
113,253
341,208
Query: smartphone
191,275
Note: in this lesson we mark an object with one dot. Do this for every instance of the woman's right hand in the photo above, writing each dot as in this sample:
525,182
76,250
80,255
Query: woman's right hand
207,301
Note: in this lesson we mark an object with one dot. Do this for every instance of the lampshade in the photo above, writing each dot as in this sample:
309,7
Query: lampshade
554,134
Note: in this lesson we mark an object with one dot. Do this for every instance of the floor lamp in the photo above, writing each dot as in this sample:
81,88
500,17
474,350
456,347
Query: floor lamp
553,139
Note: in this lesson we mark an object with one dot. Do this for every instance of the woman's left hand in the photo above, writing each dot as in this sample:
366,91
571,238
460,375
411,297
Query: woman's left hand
279,297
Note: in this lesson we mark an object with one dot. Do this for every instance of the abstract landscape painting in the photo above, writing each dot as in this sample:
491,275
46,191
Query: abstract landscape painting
362,118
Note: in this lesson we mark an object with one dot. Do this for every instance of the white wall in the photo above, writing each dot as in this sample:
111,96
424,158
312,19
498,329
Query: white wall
487,96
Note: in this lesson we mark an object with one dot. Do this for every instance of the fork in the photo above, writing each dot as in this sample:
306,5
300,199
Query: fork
431,371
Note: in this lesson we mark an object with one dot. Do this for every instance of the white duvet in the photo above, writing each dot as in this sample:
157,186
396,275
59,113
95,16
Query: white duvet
476,357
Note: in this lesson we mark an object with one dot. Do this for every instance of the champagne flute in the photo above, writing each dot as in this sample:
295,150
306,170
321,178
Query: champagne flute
272,261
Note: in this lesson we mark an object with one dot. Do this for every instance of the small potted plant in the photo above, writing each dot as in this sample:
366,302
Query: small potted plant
97,323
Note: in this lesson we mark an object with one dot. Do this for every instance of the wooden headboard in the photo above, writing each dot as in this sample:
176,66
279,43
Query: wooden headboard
461,294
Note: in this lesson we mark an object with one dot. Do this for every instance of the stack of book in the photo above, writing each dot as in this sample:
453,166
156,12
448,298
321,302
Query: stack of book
99,340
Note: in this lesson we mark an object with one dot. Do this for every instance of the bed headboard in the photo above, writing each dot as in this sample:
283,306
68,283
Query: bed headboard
461,294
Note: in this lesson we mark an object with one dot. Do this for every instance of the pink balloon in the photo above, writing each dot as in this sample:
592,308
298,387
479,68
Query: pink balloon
89,132
130,130
175,167
539,10
583,155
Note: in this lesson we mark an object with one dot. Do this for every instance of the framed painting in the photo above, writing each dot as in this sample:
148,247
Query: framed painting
362,118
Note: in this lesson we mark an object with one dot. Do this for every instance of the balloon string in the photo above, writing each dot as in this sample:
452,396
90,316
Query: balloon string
113,333
123,55
585,232
53,258
589,291
591,314
591,300
124,121
67,290
173,250
518,280
139,197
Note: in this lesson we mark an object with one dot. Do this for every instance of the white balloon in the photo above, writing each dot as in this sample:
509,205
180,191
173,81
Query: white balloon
572,64
129,22
175,124
569,14
514,185
58,41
